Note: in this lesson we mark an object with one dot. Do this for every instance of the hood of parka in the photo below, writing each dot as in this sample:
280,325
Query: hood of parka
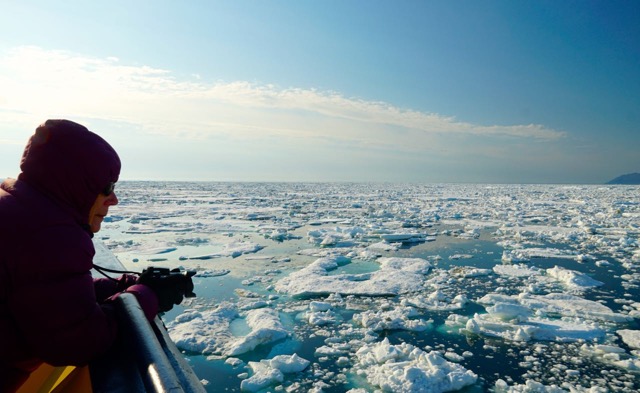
69,164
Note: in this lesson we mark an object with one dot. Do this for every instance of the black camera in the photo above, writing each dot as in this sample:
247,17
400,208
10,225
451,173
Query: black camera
160,274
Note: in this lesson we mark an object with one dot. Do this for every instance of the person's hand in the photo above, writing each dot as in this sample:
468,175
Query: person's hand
170,286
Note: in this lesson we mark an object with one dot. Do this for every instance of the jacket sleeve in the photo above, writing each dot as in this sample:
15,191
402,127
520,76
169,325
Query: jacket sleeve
146,297
53,300
105,288
108,290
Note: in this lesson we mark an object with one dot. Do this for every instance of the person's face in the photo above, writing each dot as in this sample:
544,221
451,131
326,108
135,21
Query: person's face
100,209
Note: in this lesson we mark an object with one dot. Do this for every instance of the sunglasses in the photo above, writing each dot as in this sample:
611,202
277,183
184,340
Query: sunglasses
108,190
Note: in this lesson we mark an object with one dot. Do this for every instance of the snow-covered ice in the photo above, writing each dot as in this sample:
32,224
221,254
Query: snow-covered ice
396,287
270,372
405,368
630,337
396,276
209,332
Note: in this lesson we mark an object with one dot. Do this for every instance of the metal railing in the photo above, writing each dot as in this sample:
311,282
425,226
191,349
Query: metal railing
144,359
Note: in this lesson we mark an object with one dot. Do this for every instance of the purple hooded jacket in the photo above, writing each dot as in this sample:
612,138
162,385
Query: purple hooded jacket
51,309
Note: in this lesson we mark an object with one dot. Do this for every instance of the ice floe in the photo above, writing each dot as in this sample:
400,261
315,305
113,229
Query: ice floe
395,276
630,337
573,279
209,332
206,331
406,368
271,372
394,319
552,317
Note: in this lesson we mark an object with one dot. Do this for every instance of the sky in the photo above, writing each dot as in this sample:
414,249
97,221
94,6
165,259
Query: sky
332,90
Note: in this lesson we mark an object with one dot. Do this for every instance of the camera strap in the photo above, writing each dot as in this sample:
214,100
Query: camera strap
102,271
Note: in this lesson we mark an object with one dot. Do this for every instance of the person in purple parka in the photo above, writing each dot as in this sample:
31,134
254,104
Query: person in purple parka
51,308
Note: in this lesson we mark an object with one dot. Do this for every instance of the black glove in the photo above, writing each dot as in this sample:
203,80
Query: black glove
170,286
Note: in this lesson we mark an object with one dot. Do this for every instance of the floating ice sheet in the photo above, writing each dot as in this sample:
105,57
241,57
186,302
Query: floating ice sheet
396,276
553,317
406,368
209,332
271,372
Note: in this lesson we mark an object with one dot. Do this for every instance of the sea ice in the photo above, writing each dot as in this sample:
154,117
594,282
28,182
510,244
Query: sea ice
398,318
630,337
270,372
468,271
339,237
572,279
265,328
404,237
204,332
525,317
320,313
597,227
612,354
237,248
559,305
525,254
406,368
534,329
384,246
208,332
233,250
530,386
396,276
519,270
436,301
212,273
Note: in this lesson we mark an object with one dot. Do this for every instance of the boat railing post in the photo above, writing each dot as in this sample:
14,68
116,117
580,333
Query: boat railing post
156,370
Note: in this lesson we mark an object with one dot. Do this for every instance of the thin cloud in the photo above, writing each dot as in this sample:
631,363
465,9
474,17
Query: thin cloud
40,82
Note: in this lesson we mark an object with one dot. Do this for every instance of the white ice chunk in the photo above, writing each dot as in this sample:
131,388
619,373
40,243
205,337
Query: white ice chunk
612,354
405,237
396,276
203,331
289,364
514,256
270,372
212,273
320,313
533,328
326,350
525,317
509,312
265,328
237,248
630,337
436,301
573,279
338,237
559,304
525,254
529,386
397,318
384,246
233,249
263,376
519,270
319,306
468,271
406,368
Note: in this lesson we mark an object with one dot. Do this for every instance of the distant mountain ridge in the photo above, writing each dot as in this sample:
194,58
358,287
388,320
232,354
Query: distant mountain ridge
629,178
